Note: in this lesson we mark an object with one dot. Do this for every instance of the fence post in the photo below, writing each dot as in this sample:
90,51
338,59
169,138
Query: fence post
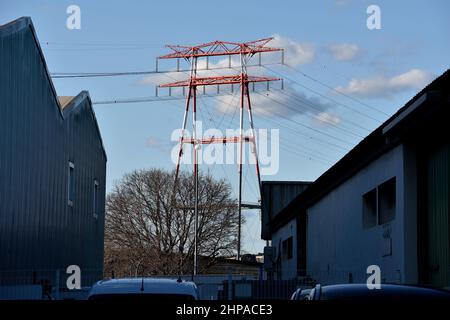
57,285
230,284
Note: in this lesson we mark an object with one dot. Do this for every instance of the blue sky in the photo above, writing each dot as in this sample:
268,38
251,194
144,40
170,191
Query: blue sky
326,40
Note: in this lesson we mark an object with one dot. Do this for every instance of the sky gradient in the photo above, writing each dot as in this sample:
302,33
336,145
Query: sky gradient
327,42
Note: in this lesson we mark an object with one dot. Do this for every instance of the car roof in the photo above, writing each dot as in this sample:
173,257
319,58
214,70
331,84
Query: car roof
360,289
144,285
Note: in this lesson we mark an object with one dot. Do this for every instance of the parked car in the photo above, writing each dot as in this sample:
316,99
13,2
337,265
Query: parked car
143,289
301,294
386,292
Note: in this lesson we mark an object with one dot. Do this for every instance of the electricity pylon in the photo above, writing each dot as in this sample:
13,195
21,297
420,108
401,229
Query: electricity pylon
245,50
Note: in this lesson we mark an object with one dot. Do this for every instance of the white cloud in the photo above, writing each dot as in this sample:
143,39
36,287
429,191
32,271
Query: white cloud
327,118
342,3
385,87
295,53
345,51
280,103
289,102
158,144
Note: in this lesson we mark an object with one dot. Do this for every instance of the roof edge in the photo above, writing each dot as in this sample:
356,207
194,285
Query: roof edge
75,103
375,138
18,25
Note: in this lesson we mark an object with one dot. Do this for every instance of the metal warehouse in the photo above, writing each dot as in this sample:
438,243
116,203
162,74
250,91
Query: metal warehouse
385,203
52,170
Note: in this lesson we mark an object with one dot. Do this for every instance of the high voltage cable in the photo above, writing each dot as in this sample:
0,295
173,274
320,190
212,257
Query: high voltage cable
326,97
63,75
312,104
304,125
337,91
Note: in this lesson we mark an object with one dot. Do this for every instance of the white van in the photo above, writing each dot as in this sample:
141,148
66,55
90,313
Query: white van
143,289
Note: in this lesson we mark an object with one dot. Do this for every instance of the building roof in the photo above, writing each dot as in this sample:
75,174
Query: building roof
276,195
62,102
381,140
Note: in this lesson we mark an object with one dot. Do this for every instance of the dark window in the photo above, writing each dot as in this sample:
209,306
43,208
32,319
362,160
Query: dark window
71,184
95,204
379,204
386,201
287,248
370,209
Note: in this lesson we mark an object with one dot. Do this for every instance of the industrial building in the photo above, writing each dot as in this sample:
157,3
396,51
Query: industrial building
285,258
385,203
52,170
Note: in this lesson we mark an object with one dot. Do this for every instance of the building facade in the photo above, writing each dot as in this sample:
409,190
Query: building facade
285,258
385,203
52,170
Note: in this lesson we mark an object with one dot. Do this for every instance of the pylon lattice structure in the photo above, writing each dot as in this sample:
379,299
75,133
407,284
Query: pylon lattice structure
213,49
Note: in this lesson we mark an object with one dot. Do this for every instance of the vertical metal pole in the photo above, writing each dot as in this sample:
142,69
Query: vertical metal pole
196,187
230,284
57,285
241,127
183,127
194,136
250,119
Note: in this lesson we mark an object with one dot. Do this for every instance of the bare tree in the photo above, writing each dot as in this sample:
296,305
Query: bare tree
150,230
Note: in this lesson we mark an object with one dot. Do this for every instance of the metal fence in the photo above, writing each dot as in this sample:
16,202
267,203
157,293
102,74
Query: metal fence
52,285
44,284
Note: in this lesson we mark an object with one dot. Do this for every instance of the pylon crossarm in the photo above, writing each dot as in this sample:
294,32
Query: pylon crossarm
212,140
219,48
211,81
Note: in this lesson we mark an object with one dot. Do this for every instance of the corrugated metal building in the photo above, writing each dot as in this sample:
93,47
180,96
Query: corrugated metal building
386,202
52,169
287,254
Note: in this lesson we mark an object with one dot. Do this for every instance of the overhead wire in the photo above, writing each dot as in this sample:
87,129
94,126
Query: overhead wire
337,91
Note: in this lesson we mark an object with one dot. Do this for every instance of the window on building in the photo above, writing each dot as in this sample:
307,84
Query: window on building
386,201
71,184
379,204
95,204
287,248
290,248
370,209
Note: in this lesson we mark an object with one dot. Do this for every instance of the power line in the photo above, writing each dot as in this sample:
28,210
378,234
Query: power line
311,105
304,125
329,123
316,107
64,75
271,119
156,99
337,91
326,97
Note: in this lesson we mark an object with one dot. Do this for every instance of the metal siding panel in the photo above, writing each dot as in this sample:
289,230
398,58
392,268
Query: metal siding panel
438,216
36,230
275,197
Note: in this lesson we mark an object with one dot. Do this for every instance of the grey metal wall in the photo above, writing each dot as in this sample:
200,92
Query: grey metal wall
39,232
438,221
275,196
